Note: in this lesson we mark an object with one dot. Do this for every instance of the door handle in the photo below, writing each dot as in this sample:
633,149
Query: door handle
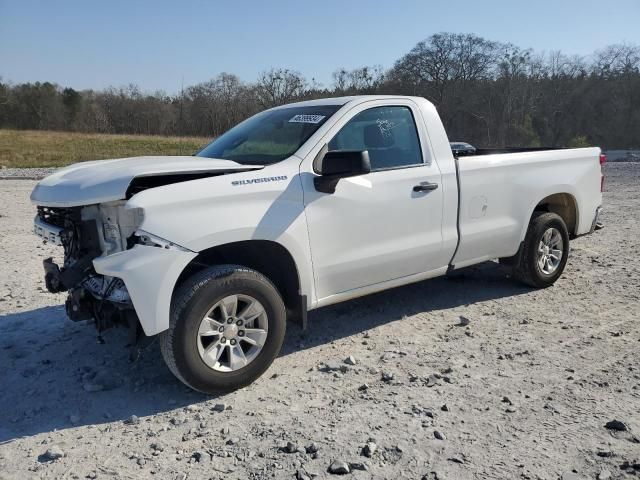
425,187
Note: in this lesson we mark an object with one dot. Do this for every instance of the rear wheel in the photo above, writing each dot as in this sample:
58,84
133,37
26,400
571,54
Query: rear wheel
227,326
544,252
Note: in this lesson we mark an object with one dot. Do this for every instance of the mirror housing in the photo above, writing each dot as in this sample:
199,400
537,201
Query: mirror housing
337,164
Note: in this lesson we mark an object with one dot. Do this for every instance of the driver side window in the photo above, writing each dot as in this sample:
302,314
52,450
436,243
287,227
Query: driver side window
388,133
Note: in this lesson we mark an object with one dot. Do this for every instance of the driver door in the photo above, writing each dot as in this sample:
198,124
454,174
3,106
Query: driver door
383,225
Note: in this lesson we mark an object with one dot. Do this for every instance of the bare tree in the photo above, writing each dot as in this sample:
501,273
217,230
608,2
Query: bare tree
617,59
488,93
279,86
363,80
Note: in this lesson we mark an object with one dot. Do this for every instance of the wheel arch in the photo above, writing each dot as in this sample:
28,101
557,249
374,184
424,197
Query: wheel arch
563,204
267,257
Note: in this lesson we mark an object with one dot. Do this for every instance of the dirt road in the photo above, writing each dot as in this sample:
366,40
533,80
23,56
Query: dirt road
523,391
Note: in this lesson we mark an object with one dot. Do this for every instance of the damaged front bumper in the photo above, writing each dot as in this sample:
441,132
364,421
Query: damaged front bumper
110,267
150,274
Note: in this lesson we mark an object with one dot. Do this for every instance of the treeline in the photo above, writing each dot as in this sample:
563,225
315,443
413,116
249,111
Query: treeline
488,93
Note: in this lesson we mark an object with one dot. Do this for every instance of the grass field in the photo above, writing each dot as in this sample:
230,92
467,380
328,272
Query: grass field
34,148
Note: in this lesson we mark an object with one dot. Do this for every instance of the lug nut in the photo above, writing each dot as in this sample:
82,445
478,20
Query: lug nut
241,333
229,320
239,322
223,340
232,342
221,329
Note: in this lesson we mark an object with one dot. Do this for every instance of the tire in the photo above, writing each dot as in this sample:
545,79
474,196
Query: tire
527,268
193,309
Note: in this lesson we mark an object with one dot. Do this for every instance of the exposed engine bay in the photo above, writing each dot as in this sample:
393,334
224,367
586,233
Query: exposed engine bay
86,233
108,270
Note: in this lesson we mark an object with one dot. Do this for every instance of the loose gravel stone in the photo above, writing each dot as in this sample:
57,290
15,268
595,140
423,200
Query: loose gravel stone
439,435
338,467
350,360
631,466
132,420
433,380
302,475
200,457
604,475
369,449
357,466
616,425
54,452
331,366
387,377
159,447
311,448
290,447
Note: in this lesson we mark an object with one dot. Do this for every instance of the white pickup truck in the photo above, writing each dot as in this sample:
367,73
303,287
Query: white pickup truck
298,207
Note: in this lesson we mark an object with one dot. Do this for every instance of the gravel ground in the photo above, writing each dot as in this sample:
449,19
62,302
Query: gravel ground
523,388
25,173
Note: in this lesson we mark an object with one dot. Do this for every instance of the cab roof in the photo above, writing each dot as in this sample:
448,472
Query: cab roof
341,100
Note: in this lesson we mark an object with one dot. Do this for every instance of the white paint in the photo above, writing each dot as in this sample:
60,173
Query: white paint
101,181
373,233
150,275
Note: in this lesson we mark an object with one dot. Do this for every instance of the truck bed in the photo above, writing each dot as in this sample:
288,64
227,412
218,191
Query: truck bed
499,187
493,151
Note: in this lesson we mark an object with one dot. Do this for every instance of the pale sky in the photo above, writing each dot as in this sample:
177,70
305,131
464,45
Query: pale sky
155,44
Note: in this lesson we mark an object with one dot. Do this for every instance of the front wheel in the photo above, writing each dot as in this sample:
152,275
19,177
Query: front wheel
227,326
544,252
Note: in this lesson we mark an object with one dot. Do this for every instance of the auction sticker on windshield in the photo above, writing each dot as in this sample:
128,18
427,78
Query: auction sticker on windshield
306,119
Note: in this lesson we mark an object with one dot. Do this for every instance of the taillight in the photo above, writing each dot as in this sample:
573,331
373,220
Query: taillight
603,159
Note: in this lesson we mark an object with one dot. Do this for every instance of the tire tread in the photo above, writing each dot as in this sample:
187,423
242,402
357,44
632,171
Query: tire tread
183,296
523,269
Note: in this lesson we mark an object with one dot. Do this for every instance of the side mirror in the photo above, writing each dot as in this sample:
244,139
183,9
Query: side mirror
337,164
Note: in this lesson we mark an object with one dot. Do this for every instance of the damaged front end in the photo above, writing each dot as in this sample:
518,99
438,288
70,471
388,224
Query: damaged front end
113,271
86,233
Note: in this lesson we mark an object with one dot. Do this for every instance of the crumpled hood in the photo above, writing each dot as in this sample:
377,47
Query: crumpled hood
100,181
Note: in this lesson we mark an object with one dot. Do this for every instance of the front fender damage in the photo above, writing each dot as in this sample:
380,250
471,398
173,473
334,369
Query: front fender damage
150,274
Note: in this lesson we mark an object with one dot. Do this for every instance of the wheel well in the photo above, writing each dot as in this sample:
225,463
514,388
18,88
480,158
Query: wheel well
267,257
563,204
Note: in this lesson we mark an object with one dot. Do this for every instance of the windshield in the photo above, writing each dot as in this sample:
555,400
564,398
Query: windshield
270,136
